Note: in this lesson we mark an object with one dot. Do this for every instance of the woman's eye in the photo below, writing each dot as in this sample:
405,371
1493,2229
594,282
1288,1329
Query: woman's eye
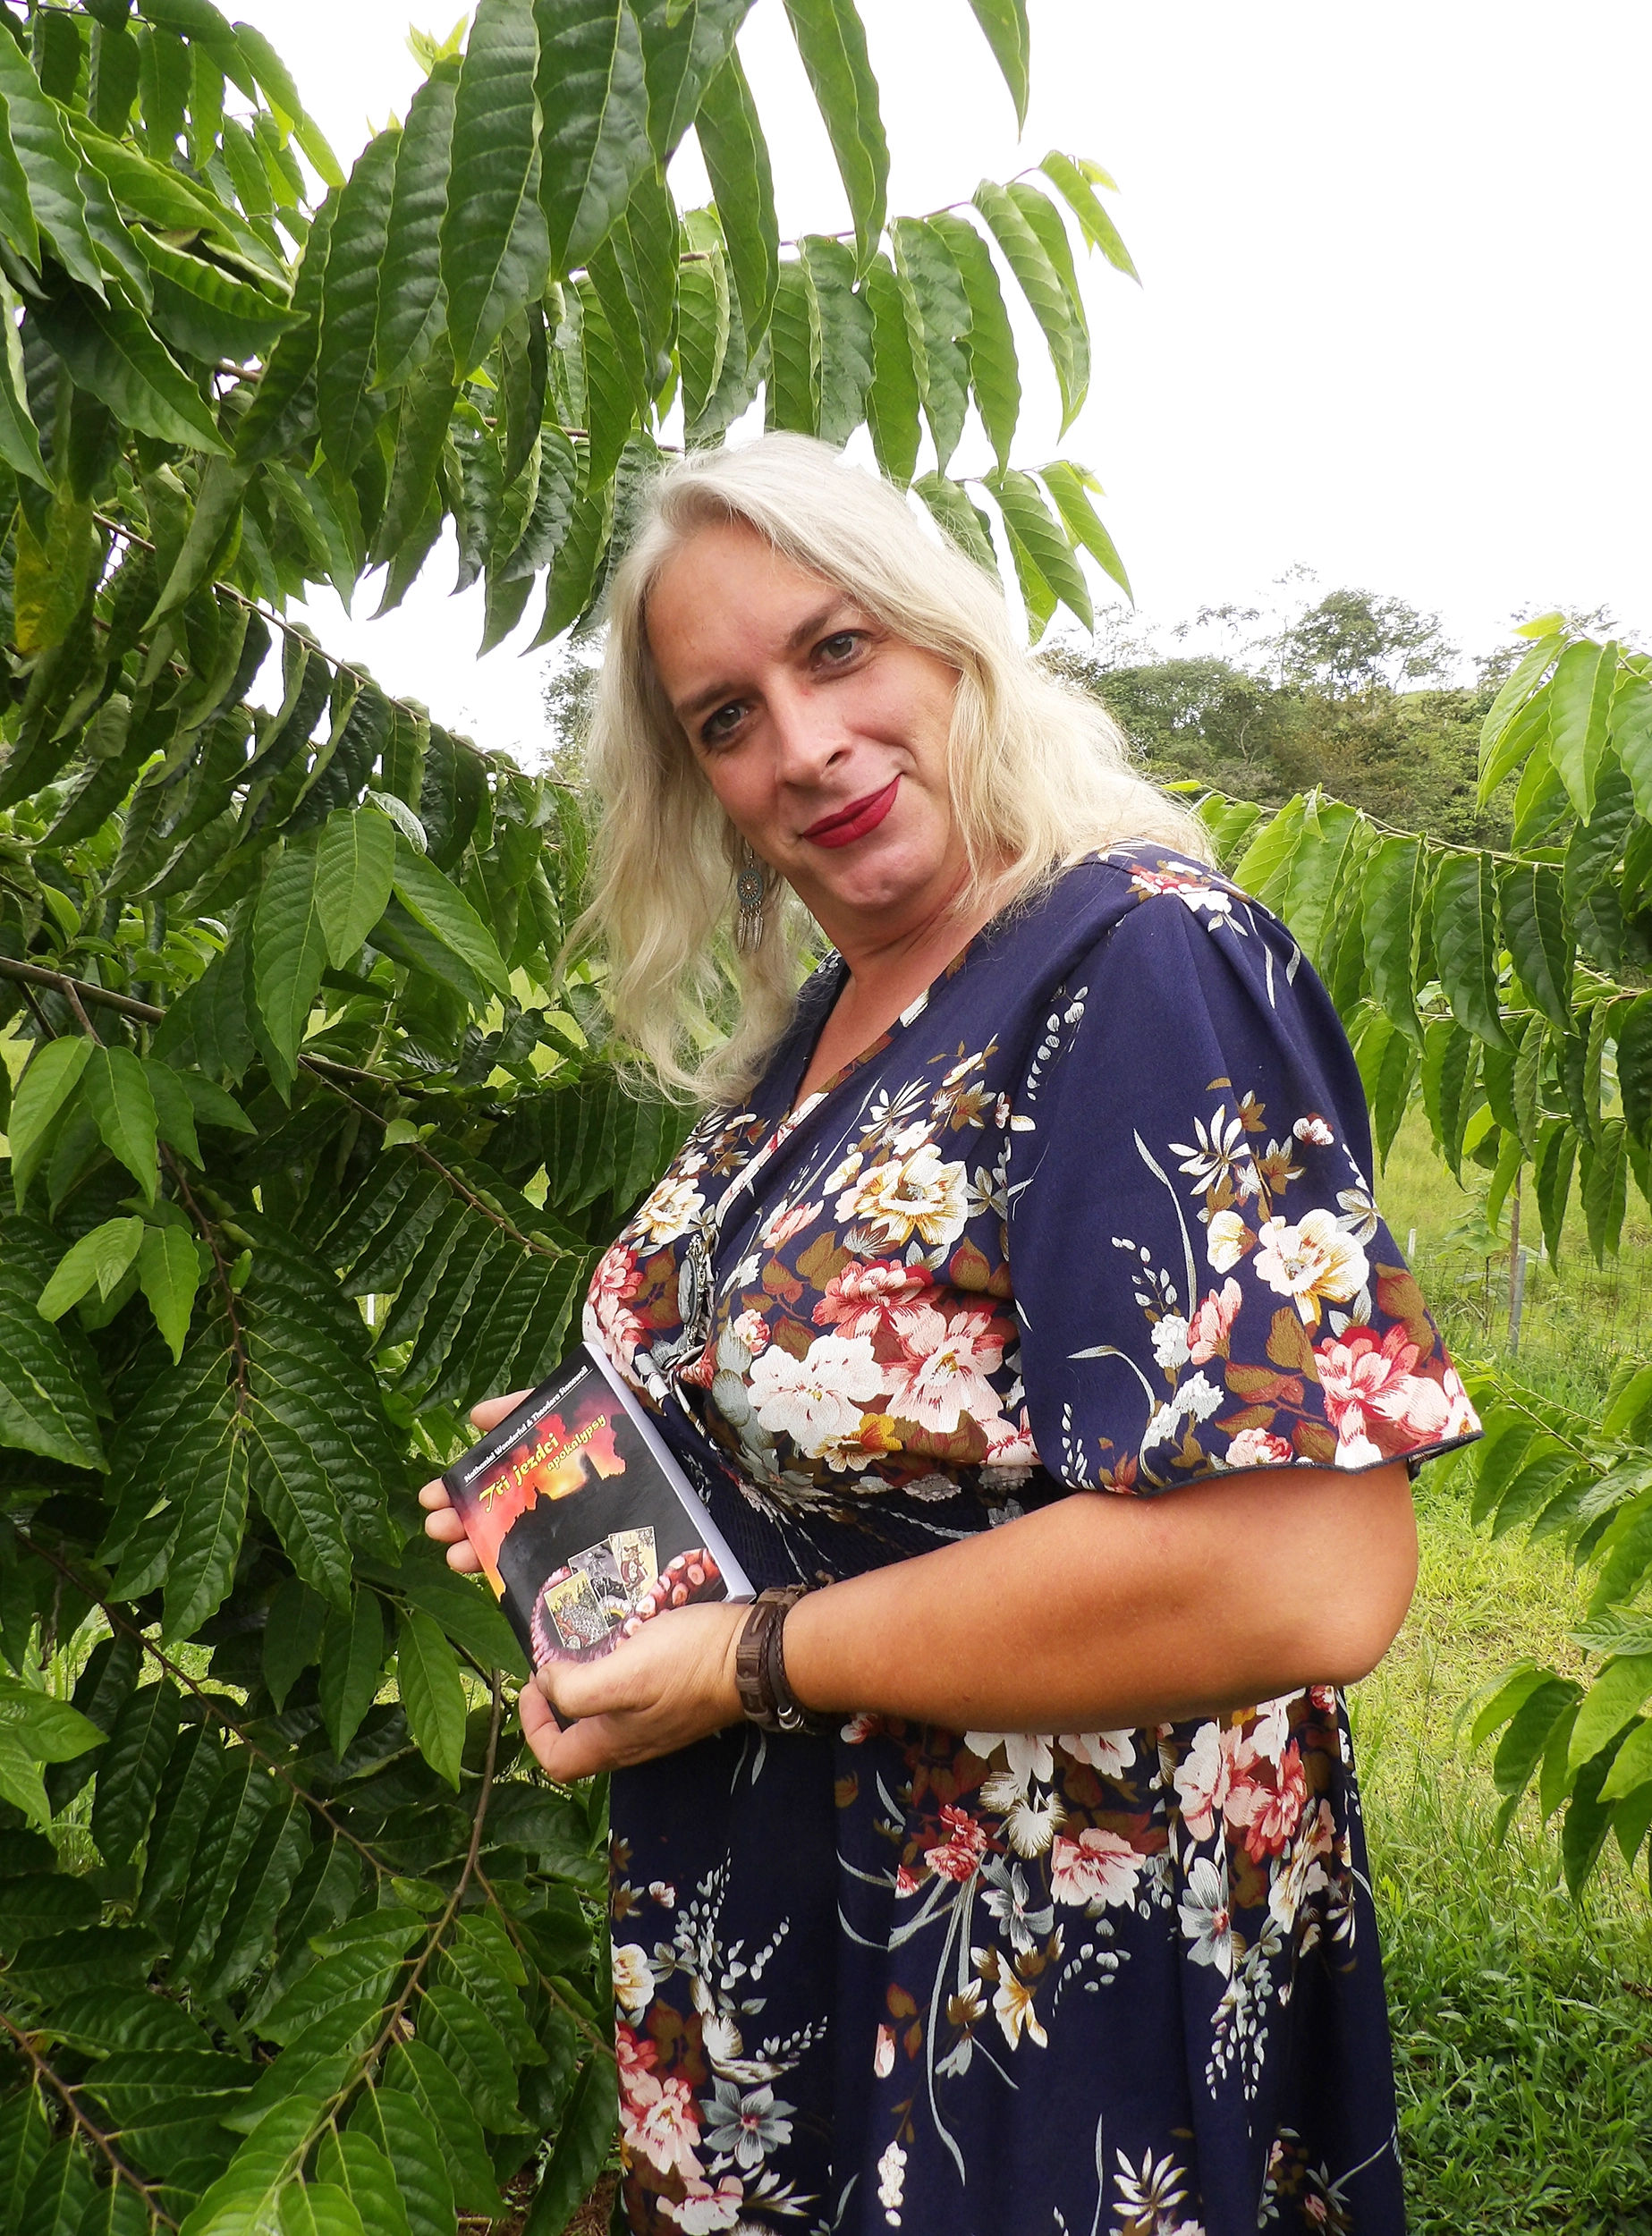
721,725
842,645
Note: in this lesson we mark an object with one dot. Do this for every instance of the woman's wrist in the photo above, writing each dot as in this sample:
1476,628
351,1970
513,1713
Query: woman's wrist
767,1697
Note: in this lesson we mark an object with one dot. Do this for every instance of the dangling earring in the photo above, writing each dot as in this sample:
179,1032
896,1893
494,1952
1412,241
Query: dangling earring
751,891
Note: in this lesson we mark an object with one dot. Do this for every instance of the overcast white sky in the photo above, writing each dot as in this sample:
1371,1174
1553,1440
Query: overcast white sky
1392,323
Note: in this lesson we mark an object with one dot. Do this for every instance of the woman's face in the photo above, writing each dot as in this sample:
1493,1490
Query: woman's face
824,737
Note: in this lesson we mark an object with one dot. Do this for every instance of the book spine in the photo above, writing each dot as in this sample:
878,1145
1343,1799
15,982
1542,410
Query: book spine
711,1536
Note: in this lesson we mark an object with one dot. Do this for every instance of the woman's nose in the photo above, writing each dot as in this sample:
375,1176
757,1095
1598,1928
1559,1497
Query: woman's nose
808,736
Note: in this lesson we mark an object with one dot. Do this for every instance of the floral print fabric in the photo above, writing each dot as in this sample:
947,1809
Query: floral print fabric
1095,1216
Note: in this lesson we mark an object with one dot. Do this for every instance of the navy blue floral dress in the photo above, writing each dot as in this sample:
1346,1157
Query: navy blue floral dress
1095,1216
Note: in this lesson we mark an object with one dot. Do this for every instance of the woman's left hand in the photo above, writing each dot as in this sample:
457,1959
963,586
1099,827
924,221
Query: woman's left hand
671,1683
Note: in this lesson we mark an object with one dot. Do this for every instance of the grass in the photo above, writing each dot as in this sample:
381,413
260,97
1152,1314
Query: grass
1522,2020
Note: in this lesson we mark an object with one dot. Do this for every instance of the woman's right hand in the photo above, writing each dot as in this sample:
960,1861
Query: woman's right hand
441,1521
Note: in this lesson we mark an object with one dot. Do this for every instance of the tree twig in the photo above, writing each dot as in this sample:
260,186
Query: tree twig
119,1621
89,2128
432,1940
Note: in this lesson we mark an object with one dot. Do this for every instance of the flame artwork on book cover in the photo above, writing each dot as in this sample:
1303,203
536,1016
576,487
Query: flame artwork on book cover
579,1537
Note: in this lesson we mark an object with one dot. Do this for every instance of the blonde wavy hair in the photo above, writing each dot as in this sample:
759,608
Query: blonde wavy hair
1039,772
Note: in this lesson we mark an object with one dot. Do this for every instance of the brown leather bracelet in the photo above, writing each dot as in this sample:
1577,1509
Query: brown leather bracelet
766,1697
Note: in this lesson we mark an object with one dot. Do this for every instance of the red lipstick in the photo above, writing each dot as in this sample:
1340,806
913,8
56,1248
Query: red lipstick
854,821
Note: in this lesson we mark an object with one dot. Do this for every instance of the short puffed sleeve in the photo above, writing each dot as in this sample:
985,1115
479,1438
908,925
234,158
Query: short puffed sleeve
1202,1277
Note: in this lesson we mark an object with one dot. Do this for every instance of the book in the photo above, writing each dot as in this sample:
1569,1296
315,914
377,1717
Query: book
586,1525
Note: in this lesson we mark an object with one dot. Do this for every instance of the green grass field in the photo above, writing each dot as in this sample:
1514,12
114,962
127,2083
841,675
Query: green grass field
1522,2020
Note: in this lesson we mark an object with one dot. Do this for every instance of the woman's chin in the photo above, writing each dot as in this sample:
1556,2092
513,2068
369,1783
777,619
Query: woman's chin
882,886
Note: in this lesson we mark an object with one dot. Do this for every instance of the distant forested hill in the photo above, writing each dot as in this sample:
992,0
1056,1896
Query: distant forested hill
1350,693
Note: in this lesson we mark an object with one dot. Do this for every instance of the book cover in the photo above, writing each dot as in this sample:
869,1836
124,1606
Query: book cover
585,1524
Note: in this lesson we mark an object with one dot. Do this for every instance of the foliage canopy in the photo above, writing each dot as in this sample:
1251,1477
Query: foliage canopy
311,1138
1506,989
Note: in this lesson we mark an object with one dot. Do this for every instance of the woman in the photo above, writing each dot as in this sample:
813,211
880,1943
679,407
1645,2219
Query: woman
1052,1181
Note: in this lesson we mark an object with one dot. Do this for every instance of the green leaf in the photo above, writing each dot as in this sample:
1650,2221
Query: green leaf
323,2208
1069,485
362,2173
347,405
411,305
1634,1064
582,2144
593,100
1557,1150
277,83
25,2137
112,351
1617,1694
1034,535
355,861
1080,195
960,519
731,140
202,311
1605,1177
1631,1766
611,397
414,2068
1580,719
1041,284
1505,1702
1631,735
1045,220
115,1090
684,44
174,1111
131,1769
97,1260
212,523
42,147
19,438
926,263
1449,1063
1534,924
352,1656
49,586
47,1729
447,916
893,398
1008,34
291,1636
399,2127
1523,1745
18,226
1518,688
245,2199
793,397
63,2188
471,2046
283,414
432,1693
495,249
702,327
43,1401
1396,881
169,1273
1465,941
289,950
846,338
831,38
466,1611
210,1492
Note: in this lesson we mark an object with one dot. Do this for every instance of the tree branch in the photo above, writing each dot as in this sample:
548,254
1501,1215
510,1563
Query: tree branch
119,1621
93,2133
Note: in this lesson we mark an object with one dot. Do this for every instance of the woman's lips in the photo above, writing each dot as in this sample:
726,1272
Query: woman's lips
855,821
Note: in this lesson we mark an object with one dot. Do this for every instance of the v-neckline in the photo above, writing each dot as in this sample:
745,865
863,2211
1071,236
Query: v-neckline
796,1111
